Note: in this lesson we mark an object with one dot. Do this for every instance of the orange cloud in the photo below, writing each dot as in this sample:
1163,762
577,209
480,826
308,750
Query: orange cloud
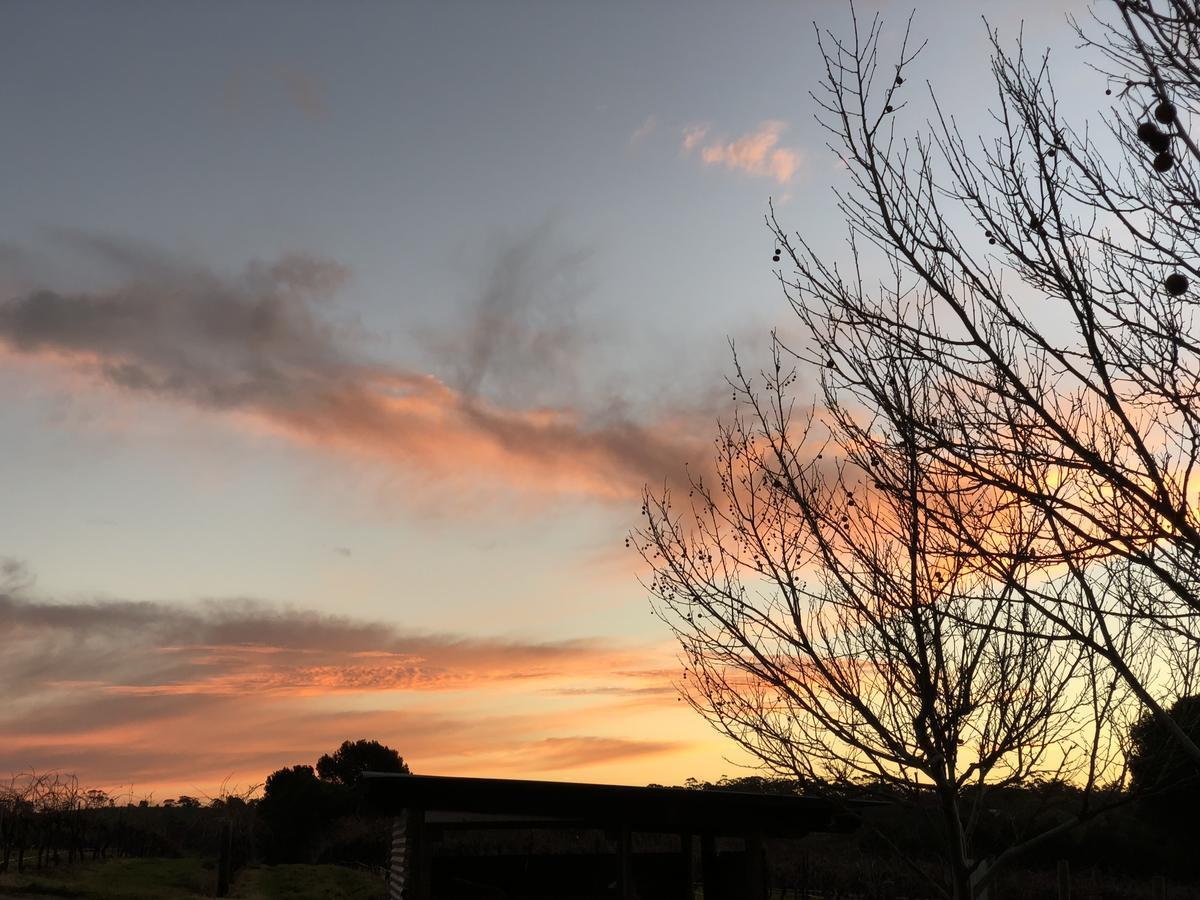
259,348
757,153
421,423
174,696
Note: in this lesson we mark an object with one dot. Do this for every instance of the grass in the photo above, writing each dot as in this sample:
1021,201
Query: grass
298,882
115,879
189,879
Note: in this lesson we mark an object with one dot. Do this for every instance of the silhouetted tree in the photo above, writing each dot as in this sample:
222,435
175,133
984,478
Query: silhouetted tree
1159,769
310,813
1009,369
296,807
835,628
1045,281
346,764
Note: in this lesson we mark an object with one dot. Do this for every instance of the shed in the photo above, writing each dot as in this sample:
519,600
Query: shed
425,808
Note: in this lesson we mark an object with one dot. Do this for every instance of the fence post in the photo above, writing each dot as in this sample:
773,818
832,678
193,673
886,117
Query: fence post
1064,880
225,860
1159,884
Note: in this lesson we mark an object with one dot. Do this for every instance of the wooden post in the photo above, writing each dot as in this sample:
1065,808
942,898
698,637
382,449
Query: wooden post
421,871
708,868
625,864
225,859
756,866
1159,887
1064,880
686,888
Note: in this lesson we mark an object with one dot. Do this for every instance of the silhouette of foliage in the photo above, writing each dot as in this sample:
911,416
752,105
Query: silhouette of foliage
1159,769
311,814
346,764
297,807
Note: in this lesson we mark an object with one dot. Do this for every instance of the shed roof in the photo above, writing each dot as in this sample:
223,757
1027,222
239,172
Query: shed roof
610,806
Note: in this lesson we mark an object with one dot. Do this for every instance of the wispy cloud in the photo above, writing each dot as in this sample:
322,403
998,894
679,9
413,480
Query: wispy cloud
692,135
643,131
757,153
576,752
528,305
250,88
304,91
217,648
160,693
261,346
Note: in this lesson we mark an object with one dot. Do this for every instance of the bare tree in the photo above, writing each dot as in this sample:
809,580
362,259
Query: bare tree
1004,538
1045,279
835,627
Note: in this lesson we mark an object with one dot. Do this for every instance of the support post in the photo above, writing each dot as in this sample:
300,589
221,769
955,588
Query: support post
225,859
756,866
421,873
686,887
708,868
625,863
1064,880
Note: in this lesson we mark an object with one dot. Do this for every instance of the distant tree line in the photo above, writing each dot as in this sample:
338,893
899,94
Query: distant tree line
305,814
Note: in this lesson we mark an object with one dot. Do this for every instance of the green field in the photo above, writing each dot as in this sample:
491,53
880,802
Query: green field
189,879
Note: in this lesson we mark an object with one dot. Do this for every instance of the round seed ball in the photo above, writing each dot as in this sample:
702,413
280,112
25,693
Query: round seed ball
1176,284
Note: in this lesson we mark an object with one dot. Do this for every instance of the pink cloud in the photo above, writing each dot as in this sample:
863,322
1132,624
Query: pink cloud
757,153
173,696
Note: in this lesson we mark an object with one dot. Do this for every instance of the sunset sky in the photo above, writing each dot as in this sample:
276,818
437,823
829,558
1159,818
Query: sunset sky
337,341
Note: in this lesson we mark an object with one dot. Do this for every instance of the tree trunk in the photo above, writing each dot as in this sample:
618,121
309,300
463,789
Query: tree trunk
956,846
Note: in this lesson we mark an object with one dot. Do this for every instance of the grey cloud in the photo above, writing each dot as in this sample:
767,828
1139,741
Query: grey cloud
213,341
138,651
249,623
258,342
523,336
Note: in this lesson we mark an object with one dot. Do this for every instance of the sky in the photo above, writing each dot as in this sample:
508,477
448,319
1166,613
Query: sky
337,342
